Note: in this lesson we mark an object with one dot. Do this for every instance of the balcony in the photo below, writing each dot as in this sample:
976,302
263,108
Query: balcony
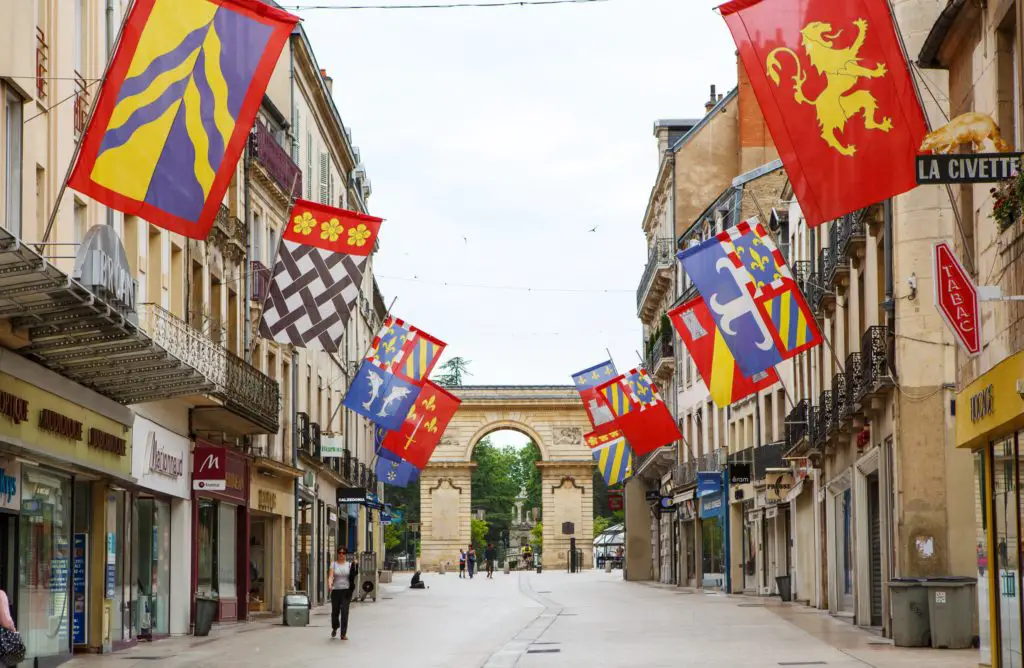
744,456
271,455
686,473
798,424
838,423
815,294
238,399
661,355
801,271
839,278
823,423
852,237
657,278
229,236
769,456
853,375
876,366
259,282
277,164
816,427
826,277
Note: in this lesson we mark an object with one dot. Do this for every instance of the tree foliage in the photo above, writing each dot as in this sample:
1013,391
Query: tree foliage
497,479
394,534
537,536
452,372
479,530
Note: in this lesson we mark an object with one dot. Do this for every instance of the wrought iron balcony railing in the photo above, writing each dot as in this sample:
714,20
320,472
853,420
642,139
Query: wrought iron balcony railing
346,466
824,417
662,256
661,356
259,283
838,401
801,270
798,423
827,264
853,376
314,440
744,456
243,388
814,292
276,161
816,430
851,231
876,359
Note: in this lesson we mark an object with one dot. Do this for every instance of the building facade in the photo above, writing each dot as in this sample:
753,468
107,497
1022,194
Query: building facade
975,50
116,397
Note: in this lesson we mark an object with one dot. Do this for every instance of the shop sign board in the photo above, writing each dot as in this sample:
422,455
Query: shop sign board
739,474
332,445
686,510
708,482
79,588
939,161
956,298
777,486
711,505
101,266
111,565
351,495
210,471
615,500
160,458
10,485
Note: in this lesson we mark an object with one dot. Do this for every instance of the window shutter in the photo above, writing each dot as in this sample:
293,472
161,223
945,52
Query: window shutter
309,166
325,177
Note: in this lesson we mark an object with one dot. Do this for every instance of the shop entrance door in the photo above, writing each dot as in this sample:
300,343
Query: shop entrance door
875,545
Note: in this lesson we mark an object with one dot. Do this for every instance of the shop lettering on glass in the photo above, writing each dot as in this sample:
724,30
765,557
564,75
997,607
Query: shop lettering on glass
163,462
10,494
101,440
982,404
61,425
267,501
235,481
13,407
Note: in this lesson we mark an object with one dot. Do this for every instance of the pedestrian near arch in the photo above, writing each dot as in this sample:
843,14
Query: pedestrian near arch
341,578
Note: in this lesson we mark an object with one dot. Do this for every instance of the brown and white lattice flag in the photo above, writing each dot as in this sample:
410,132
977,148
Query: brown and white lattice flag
317,275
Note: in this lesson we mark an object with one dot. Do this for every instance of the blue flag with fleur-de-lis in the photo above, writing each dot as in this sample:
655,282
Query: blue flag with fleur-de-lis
396,474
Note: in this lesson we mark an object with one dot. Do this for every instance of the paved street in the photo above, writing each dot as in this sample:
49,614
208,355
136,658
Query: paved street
536,621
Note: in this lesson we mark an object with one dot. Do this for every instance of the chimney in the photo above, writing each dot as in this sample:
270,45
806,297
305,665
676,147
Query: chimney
330,82
710,104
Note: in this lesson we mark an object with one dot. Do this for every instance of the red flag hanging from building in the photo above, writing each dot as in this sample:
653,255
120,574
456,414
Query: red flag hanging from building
714,360
640,412
837,96
424,425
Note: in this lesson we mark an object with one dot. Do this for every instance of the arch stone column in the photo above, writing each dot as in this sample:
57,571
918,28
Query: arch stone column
553,417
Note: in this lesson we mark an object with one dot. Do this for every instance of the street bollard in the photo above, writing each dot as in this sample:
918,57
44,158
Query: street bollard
608,566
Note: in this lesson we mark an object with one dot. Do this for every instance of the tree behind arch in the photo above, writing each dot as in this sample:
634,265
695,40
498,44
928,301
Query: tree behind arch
452,372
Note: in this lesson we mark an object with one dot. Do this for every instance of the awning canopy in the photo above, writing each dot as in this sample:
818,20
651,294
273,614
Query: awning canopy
54,320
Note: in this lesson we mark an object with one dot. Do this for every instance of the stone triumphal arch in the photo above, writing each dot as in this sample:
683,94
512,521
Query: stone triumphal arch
553,417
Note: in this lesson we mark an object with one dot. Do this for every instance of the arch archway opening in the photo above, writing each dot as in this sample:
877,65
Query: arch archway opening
506,501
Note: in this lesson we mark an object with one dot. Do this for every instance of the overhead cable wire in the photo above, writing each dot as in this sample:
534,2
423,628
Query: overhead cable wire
449,5
518,288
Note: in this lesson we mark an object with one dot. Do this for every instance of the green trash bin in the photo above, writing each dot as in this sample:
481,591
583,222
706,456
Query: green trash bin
951,604
206,610
908,600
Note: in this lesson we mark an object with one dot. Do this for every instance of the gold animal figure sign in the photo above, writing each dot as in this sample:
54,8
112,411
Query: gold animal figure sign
836,104
970,128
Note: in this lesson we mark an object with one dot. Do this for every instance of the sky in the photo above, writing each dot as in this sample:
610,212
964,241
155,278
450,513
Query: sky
495,139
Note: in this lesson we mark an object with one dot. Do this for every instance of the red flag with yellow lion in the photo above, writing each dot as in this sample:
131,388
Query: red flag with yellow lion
837,96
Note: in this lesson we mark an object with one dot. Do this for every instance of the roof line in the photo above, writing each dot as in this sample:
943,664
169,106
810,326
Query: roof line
705,120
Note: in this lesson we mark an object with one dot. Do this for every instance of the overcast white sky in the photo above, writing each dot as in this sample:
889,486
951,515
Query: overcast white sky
494,140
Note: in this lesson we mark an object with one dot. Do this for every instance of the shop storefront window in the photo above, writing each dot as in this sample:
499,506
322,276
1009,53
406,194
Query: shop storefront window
152,542
43,585
206,573
844,550
981,524
227,532
1005,526
713,546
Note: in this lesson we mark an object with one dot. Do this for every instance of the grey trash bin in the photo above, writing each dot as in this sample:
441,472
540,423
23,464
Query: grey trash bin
951,604
908,599
295,610
206,610
785,585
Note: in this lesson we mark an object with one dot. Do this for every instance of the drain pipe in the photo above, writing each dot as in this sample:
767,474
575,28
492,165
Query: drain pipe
295,464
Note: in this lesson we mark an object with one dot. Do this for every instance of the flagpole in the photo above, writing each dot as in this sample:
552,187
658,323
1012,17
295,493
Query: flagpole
342,403
85,130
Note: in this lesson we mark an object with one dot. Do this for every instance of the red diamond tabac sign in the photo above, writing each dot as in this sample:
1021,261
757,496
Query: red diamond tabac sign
956,298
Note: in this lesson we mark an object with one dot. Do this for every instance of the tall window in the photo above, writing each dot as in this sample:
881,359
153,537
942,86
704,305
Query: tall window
12,160
80,36
79,221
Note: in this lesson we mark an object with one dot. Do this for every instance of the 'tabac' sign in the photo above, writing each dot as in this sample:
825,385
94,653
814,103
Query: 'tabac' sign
956,297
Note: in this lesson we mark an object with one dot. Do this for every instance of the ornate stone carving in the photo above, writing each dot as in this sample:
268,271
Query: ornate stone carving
447,440
568,436
567,479
451,483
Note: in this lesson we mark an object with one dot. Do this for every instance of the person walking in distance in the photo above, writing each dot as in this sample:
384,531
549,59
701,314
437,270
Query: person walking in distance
341,579
490,555
462,563
471,559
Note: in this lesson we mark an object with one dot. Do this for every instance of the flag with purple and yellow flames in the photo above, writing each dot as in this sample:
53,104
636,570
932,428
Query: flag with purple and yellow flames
177,106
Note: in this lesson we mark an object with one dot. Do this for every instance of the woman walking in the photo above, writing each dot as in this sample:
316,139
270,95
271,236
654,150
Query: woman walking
471,558
341,580
462,563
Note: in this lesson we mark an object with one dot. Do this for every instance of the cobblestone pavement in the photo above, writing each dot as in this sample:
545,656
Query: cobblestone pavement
542,621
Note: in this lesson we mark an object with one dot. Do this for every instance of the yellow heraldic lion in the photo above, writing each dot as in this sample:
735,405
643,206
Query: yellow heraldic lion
970,128
836,104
